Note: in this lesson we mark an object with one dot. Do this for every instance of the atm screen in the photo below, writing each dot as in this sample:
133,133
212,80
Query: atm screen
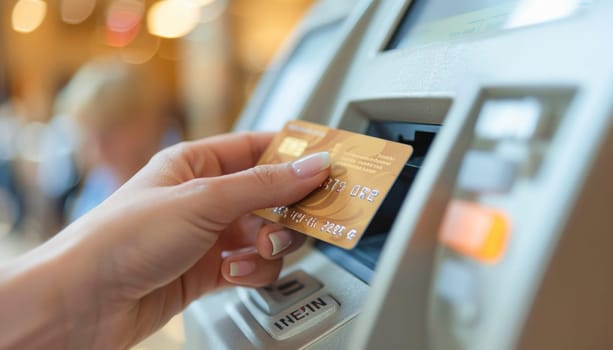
362,259
298,77
432,21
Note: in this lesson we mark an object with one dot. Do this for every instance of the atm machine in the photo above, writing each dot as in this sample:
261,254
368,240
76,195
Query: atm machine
497,233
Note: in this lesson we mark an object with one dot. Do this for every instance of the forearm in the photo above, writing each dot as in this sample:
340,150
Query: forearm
42,304
32,312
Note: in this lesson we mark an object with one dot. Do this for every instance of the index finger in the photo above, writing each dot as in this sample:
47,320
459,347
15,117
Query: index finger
229,152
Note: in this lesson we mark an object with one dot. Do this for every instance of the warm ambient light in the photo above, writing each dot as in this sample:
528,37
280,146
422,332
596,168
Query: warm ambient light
141,50
28,15
76,11
173,18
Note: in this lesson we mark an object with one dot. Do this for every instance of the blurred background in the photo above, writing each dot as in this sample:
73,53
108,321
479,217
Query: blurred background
90,89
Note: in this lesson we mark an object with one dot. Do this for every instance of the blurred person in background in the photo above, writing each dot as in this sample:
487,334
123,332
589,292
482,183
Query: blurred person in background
119,113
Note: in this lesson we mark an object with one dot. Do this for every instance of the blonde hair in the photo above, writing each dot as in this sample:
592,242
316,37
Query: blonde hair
105,93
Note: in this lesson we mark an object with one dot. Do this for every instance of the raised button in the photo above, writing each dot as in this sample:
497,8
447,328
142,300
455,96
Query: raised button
509,119
474,230
483,171
303,316
284,292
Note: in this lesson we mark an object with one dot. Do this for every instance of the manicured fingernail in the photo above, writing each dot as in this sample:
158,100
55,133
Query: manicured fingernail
241,268
242,251
280,241
311,164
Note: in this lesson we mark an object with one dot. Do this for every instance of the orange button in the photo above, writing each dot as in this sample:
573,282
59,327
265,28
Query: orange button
475,230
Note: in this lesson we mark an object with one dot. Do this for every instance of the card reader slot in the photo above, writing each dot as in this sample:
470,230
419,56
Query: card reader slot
362,260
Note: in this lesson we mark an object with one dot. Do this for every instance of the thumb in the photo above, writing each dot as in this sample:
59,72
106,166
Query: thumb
266,186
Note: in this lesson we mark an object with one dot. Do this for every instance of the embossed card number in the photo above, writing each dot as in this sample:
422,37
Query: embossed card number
363,170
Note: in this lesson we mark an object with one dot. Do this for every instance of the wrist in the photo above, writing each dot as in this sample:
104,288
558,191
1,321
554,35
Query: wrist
33,315
45,297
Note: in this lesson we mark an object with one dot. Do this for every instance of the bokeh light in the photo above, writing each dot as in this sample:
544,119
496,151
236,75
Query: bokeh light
123,21
197,44
141,50
28,15
202,2
76,11
173,18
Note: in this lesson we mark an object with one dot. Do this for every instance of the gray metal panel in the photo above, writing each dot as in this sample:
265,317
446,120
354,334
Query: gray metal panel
446,82
573,307
222,321
323,13
552,53
570,53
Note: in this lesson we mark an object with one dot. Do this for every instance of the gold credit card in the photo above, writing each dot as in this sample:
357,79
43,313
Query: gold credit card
363,170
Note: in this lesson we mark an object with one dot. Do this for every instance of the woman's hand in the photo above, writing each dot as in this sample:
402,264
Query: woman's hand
179,228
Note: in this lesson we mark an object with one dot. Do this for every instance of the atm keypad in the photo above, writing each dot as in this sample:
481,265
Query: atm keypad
284,292
289,306
301,317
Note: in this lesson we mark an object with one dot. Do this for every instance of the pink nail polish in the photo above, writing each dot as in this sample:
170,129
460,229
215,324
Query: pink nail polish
312,164
241,268
280,240
242,251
